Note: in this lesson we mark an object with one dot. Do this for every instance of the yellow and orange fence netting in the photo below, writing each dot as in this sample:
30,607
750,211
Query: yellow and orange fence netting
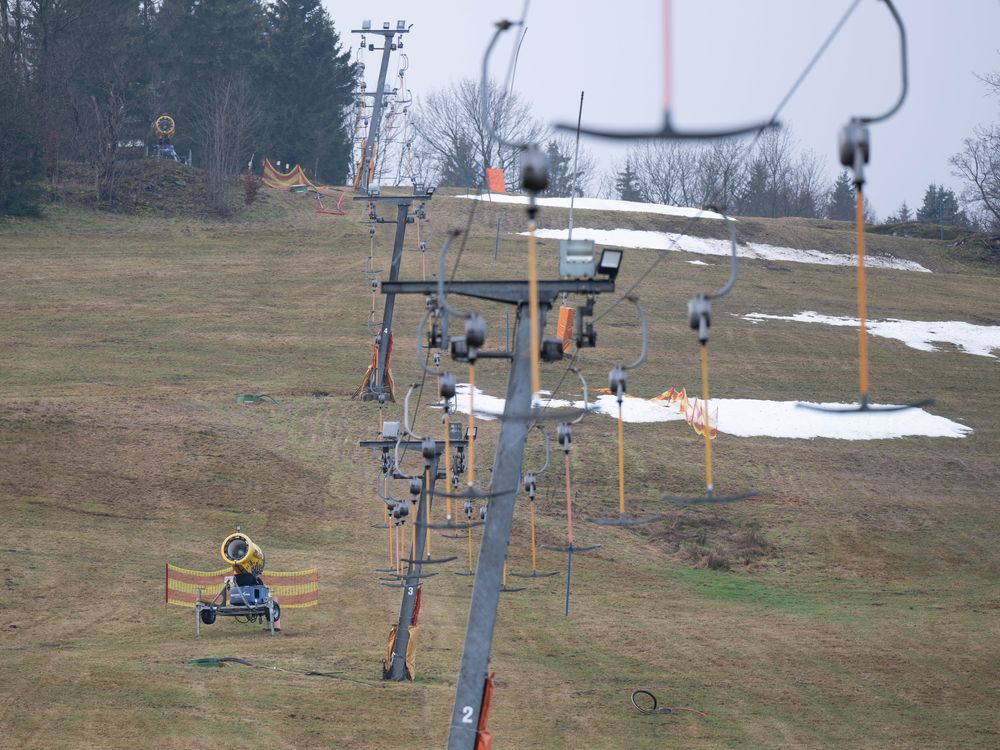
293,590
693,411
285,180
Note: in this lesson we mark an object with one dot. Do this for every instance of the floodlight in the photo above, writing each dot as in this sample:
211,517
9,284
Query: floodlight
390,430
456,431
576,259
385,24
366,24
610,263
418,188
375,190
400,25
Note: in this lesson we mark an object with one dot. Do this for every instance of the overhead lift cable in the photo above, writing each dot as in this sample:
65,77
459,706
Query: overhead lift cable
467,727
772,122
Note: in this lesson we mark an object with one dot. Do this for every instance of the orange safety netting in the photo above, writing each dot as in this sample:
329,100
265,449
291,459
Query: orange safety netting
693,411
293,589
285,180
296,177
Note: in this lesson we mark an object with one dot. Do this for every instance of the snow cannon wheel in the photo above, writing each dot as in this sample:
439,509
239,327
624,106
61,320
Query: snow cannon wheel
208,616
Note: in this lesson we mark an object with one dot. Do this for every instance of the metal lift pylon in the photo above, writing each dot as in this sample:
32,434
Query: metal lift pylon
375,385
505,481
378,97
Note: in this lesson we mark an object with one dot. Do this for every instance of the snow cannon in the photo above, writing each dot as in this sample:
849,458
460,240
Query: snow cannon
243,554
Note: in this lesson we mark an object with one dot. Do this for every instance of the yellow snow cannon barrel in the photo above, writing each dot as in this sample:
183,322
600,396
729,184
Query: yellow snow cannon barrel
239,551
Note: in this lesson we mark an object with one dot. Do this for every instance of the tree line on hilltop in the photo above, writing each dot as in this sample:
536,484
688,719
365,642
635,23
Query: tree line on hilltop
768,176
80,80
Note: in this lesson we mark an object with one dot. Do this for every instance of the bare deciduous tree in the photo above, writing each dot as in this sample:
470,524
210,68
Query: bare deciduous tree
109,117
99,120
978,164
449,123
765,178
720,173
224,120
664,171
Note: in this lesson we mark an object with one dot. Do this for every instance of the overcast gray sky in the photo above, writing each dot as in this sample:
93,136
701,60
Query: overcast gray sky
733,62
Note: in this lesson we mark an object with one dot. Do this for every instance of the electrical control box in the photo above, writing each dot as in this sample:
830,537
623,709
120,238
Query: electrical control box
576,259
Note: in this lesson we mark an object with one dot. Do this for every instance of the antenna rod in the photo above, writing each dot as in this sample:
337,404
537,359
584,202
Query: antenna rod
576,159
667,56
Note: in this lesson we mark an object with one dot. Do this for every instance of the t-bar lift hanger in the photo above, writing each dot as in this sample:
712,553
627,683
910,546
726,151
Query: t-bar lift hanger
700,318
667,130
854,142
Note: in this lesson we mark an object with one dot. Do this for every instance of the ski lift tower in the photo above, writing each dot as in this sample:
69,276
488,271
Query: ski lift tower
388,46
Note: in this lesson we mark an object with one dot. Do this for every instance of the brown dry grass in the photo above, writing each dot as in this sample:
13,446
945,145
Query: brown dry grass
868,617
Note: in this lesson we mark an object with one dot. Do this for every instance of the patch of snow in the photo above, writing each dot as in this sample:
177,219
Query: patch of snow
703,246
698,263
600,204
487,407
918,334
785,419
753,417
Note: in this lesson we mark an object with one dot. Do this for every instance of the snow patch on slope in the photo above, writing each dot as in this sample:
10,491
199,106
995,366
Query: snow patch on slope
637,238
751,417
599,204
918,334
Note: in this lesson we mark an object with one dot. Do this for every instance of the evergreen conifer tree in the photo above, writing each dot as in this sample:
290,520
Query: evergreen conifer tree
841,204
940,206
560,172
627,184
309,82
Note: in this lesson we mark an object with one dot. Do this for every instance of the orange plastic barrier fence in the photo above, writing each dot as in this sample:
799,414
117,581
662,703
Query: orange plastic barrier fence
494,180
293,590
